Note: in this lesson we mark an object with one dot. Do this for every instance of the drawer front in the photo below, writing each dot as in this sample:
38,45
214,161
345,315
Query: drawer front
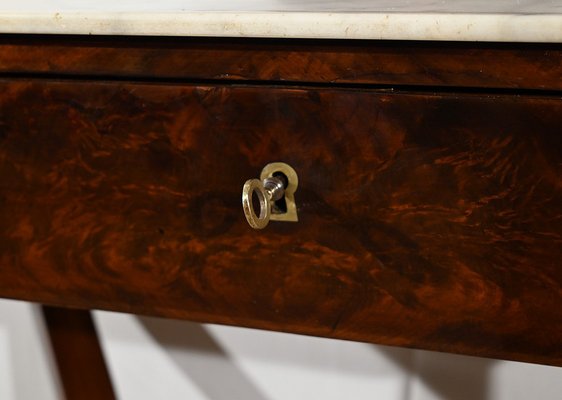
425,220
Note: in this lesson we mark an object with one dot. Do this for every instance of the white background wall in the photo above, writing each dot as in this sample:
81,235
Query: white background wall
162,359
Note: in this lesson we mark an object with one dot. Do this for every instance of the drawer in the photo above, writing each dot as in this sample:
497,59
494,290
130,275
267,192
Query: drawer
429,220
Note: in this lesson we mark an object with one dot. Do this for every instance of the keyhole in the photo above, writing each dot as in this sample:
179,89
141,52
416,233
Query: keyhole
280,206
285,208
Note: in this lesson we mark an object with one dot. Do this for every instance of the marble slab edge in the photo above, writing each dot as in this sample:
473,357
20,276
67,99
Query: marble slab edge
385,26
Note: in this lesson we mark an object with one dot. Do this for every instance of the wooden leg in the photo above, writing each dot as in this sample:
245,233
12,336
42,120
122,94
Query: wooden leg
78,355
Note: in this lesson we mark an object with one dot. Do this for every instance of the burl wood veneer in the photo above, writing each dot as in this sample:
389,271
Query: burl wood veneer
426,220
351,62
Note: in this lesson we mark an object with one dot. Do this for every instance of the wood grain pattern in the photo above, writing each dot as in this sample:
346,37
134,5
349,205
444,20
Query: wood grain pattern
491,65
428,221
78,354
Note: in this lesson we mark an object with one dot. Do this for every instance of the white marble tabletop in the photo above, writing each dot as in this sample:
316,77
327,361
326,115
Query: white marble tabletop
466,20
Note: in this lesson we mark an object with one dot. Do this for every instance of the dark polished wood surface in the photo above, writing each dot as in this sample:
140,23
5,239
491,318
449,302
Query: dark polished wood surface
489,65
78,354
431,221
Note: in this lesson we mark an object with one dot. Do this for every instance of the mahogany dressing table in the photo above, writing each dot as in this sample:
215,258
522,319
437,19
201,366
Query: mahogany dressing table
424,206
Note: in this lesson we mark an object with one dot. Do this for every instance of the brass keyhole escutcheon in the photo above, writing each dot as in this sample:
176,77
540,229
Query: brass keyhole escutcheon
275,191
